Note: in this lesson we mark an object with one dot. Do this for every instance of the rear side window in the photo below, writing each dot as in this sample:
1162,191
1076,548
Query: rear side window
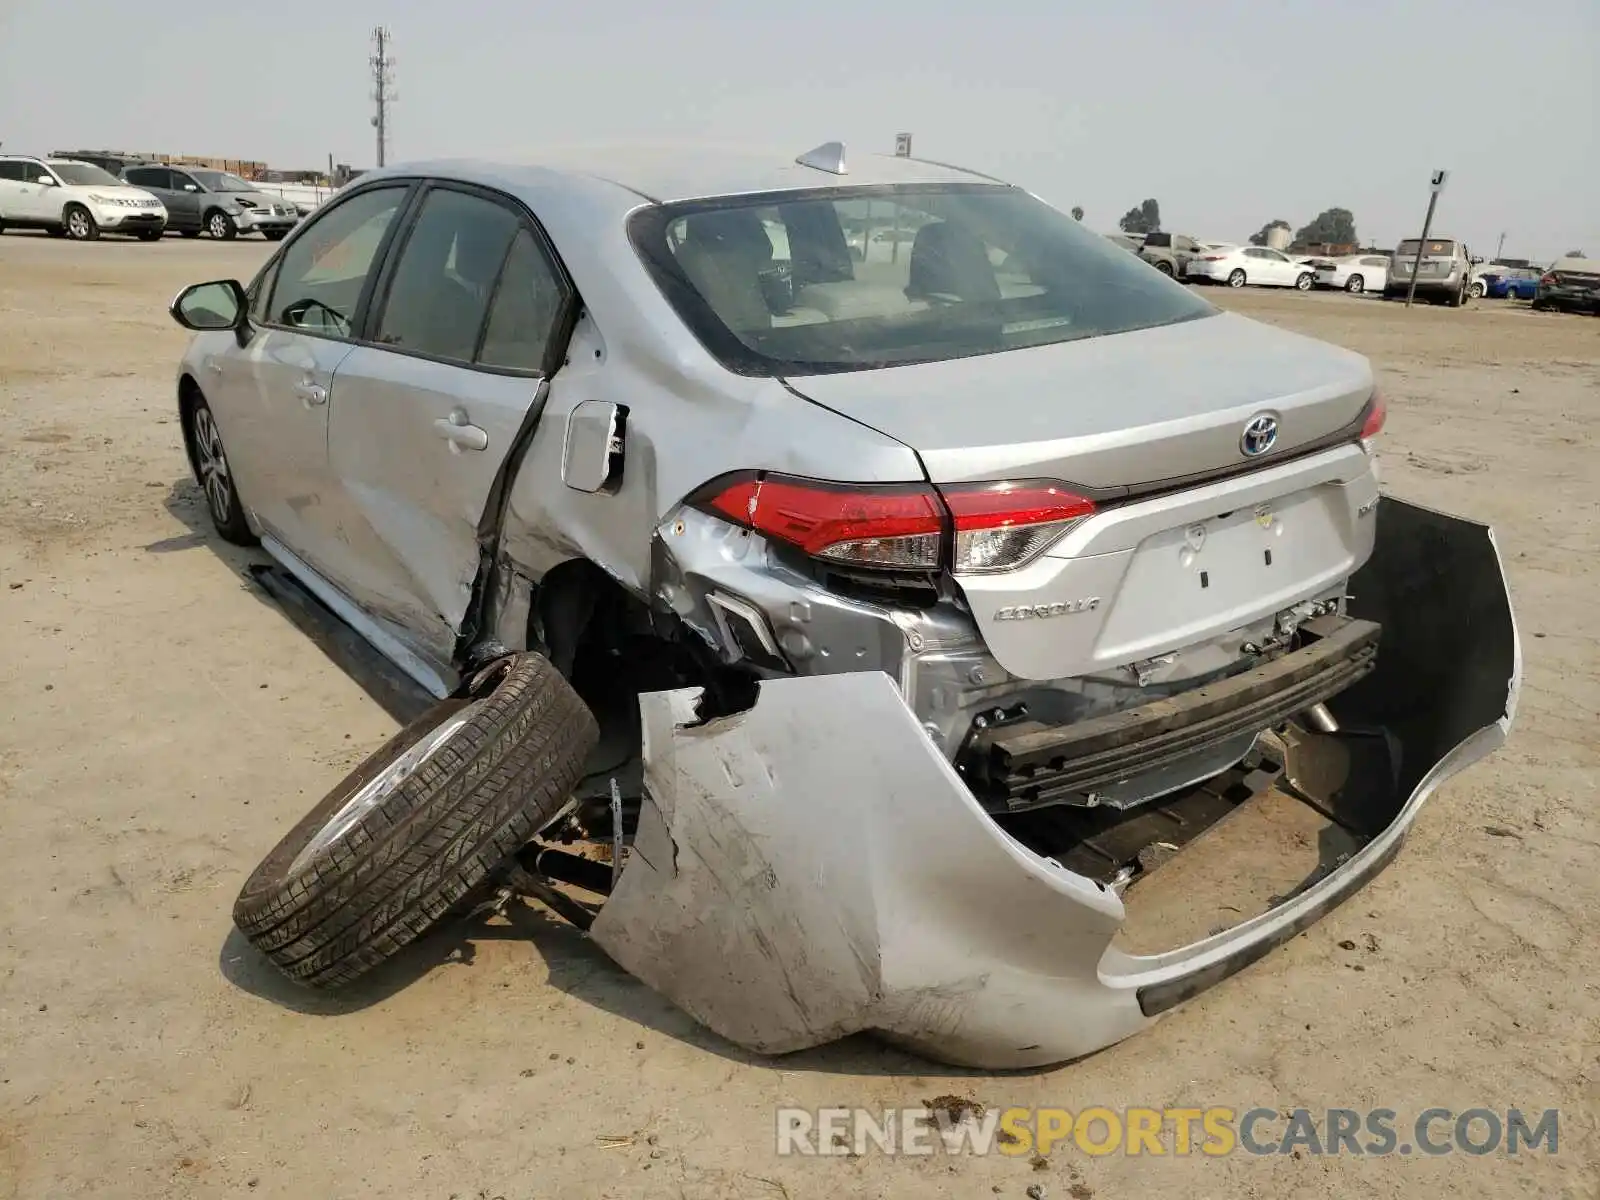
852,278
156,177
527,304
323,271
446,276
12,170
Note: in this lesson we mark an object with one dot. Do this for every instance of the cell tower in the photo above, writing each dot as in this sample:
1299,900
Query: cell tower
383,93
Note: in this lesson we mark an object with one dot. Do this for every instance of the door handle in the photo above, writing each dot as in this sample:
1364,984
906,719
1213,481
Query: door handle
459,431
311,394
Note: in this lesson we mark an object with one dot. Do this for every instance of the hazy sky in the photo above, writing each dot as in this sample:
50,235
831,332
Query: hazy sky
1229,113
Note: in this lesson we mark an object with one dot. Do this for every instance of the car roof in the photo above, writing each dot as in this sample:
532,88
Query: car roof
673,173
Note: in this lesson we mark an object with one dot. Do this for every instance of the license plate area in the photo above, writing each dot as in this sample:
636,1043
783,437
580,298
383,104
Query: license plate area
1217,573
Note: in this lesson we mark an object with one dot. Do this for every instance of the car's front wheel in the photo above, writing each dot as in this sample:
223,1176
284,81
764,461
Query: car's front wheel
80,224
214,475
221,226
1164,267
1236,277
1355,285
1477,290
1303,281
420,827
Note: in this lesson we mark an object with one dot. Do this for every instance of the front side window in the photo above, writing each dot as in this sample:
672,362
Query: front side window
853,278
446,276
323,271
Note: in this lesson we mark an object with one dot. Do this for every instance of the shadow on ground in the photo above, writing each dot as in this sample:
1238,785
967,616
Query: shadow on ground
575,966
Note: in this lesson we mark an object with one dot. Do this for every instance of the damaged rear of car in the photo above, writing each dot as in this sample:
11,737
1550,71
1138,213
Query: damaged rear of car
913,641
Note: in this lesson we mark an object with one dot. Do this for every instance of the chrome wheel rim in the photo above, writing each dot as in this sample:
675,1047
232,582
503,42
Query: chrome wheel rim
1236,279
1303,283
1357,284
78,225
213,466
219,225
381,786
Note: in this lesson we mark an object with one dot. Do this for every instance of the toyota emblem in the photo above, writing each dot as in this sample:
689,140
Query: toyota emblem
1260,435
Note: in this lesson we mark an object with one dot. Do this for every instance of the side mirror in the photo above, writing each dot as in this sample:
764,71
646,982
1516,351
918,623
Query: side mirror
596,438
209,307
44,181
1475,261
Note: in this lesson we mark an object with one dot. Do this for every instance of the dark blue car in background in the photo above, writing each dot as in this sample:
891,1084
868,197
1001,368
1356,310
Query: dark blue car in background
1515,283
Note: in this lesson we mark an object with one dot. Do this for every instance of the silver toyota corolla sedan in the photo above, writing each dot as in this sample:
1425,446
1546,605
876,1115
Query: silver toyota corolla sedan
847,589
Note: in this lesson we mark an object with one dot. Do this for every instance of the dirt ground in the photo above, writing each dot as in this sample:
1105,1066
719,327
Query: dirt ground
161,724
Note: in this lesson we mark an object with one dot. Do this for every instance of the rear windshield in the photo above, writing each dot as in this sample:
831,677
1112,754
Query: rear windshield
846,279
1432,250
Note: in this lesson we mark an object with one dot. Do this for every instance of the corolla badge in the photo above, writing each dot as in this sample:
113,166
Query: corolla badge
1059,608
1260,435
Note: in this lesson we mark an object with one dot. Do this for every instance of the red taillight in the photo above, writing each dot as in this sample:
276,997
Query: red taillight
1377,414
1213,257
999,526
994,526
869,525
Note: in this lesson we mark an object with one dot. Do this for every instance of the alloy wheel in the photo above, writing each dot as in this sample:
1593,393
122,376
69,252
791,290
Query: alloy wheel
213,465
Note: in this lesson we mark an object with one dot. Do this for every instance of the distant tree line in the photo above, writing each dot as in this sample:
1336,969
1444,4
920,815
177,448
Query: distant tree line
1332,226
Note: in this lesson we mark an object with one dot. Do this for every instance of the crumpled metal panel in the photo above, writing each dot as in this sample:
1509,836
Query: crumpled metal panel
813,867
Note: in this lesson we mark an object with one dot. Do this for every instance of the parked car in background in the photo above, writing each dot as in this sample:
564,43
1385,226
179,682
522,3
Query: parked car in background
1507,283
1570,284
1170,253
1259,266
75,200
200,200
1354,272
1444,274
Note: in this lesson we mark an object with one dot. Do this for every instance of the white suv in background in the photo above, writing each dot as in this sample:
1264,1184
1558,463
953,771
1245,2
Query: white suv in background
75,200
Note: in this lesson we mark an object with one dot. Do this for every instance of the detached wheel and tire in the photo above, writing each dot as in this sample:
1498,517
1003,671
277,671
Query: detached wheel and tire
417,828
80,224
1355,285
1236,277
220,225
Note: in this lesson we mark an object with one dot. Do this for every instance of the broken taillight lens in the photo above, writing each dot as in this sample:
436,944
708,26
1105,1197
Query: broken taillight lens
890,527
1000,526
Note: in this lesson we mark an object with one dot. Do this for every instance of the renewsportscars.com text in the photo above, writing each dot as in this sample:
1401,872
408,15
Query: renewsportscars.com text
1214,1131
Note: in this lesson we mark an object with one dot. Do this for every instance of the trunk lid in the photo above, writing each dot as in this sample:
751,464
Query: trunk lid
1210,540
1110,414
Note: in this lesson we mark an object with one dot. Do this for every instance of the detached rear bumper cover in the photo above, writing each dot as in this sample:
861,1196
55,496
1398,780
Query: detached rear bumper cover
813,867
